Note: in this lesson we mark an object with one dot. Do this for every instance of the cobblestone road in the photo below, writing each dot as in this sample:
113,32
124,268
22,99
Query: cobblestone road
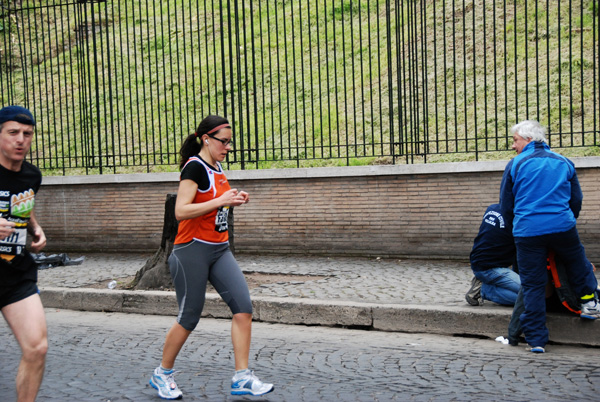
108,357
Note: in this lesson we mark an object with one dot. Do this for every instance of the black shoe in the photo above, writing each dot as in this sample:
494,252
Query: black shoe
473,296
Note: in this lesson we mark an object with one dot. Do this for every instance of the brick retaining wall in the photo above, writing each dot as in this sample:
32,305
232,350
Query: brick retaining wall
426,211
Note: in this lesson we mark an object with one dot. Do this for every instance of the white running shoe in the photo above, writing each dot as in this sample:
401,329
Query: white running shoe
590,310
537,349
165,384
249,384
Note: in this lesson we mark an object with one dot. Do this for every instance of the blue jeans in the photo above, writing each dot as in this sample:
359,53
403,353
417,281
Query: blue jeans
499,285
532,255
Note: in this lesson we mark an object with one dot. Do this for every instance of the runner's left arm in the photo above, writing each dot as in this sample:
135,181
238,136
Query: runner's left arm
38,241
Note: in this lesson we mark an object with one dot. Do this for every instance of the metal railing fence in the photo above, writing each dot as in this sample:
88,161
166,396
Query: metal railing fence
117,85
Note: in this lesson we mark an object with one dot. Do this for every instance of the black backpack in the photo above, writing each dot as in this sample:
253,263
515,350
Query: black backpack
557,271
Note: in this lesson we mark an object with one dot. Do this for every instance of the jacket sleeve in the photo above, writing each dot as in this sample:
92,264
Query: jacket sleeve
576,196
507,198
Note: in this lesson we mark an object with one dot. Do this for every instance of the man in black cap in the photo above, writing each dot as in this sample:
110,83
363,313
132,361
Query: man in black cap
19,299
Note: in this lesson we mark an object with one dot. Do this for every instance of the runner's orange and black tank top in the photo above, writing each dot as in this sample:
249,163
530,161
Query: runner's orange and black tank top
212,227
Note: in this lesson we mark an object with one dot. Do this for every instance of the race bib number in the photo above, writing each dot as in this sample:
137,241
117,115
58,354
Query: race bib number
16,208
221,219
15,243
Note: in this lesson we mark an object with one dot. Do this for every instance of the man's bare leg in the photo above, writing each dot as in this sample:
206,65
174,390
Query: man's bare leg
27,320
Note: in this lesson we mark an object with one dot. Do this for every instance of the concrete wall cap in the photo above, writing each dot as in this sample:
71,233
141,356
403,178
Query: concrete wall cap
304,173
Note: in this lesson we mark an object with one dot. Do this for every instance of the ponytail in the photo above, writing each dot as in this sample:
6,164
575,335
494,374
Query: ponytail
191,146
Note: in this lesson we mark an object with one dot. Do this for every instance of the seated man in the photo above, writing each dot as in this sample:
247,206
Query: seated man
493,253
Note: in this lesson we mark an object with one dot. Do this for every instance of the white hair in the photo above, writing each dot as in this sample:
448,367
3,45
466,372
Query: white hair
529,130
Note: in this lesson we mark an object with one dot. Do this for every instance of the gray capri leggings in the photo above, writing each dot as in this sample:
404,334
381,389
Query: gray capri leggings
192,265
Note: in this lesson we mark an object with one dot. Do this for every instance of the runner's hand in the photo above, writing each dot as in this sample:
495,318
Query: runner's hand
39,240
233,198
244,195
6,228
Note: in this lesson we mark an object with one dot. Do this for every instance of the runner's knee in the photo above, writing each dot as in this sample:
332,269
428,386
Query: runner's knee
36,351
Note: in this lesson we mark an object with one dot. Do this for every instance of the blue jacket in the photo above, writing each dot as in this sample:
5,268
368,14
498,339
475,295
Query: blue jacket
494,246
541,189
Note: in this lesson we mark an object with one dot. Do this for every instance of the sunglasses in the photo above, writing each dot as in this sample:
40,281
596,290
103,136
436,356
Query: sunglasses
224,142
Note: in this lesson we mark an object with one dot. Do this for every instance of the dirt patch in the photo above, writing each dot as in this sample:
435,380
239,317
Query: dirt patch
254,280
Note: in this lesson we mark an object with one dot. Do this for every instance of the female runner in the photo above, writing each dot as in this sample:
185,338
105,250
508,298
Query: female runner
201,253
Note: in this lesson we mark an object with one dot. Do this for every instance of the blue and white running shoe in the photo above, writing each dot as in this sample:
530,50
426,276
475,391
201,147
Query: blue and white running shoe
248,384
590,310
165,384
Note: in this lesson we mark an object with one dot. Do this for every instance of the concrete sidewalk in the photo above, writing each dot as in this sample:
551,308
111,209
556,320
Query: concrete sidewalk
389,295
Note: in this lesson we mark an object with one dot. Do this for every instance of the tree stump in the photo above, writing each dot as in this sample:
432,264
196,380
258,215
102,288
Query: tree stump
155,273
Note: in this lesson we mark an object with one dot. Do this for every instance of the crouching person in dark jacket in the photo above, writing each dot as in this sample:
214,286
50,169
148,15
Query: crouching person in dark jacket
492,255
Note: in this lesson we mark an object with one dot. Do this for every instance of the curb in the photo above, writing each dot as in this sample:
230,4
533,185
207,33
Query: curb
482,321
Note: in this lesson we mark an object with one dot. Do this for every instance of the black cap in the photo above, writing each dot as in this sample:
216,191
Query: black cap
16,113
